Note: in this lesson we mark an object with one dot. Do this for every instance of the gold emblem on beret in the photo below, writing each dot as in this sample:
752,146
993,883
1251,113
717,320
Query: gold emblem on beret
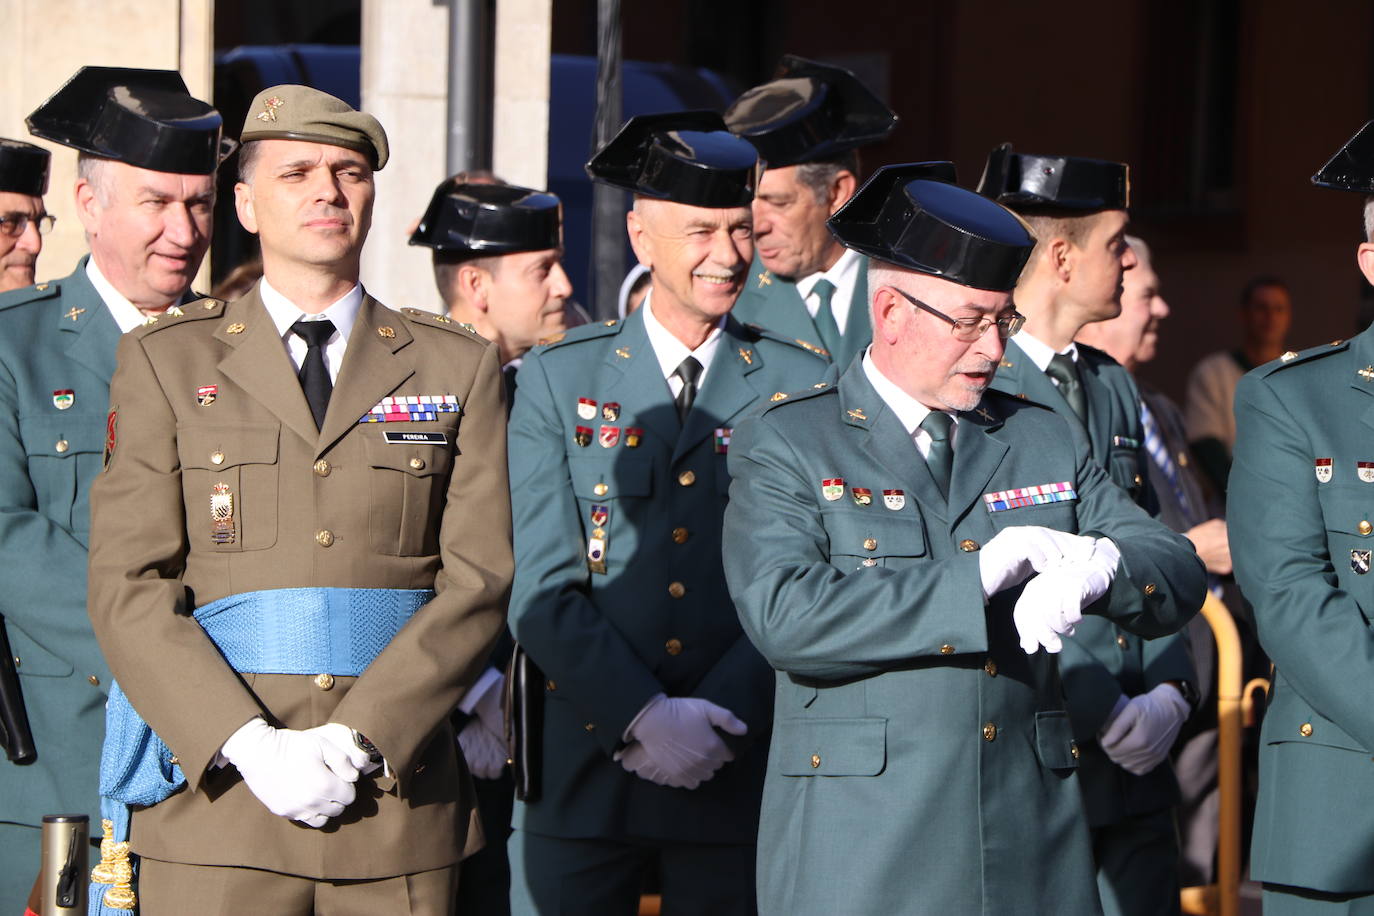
388,333
236,328
270,106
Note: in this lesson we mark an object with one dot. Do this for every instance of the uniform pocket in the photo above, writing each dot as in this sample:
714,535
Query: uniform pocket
1054,743
867,537
409,490
64,452
830,747
229,480
1123,464
32,659
611,477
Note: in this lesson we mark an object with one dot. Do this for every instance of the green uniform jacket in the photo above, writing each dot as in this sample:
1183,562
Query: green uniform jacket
772,301
54,337
1102,661
922,763
659,620
1302,546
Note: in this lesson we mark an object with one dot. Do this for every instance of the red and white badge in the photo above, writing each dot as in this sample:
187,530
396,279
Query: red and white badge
894,499
610,435
1323,469
1366,470
206,394
586,408
832,488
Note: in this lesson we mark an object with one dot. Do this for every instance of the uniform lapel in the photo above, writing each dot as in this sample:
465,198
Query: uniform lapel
89,332
374,365
727,390
775,305
1362,361
258,363
1018,375
977,455
637,379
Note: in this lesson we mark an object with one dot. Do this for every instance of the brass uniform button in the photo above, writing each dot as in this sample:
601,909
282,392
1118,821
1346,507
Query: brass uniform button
1074,752
551,684
968,545
989,732
815,761
417,463
870,543
419,768
325,538
946,649
1305,730
590,726
601,489
679,535
676,589
990,667
95,681
1364,526
324,681
687,478
1151,588
217,457
1122,642
1138,480
322,468
61,446
673,647
176,760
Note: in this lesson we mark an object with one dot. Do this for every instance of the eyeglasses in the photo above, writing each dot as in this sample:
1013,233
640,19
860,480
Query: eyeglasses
970,329
16,224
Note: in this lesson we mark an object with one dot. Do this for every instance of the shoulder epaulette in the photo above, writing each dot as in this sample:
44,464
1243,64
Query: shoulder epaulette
30,294
436,320
792,397
180,314
1292,358
759,331
589,331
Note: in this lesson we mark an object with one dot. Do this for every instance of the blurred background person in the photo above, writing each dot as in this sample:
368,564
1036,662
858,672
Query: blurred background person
23,219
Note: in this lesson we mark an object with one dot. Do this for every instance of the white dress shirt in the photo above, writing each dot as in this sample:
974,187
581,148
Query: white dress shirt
844,274
671,351
909,411
124,312
343,312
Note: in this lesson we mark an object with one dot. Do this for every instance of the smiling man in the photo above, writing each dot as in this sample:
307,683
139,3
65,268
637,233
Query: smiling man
283,576
23,218
656,707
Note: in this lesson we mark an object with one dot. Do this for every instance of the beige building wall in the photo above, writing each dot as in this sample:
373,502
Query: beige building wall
44,42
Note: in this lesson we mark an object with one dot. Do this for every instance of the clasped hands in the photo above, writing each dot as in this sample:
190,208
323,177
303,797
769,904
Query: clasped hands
305,775
673,741
1069,573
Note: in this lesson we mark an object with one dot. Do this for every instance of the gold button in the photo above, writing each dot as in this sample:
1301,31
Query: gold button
968,545
989,732
687,478
1138,480
673,647
1151,588
601,489
1365,527
95,681
590,726
870,543
217,457
551,684
61,446
990,667
1122,642
322,468
176,760
677,589
324,681
325,538
1073,749
946,649
417,463
679,535
1305,730
18,662
815,761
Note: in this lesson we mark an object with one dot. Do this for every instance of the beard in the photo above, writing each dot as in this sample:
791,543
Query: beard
959,393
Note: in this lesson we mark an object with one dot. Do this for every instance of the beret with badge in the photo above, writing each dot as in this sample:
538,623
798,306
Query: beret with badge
291,112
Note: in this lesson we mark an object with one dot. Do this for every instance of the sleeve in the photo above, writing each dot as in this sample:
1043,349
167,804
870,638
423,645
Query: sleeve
552,612
1207,402
445,647
1315,631
809,618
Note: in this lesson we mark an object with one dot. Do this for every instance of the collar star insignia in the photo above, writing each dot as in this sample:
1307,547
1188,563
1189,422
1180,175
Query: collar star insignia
986,414
73,313
747,355
1367,373
1006,364
765,279
270,106
236,328
857,414
622,352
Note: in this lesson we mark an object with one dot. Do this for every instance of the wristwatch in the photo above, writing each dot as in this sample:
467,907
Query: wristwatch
366,746
1190,694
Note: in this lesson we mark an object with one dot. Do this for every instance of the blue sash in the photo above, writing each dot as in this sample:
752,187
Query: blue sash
335,631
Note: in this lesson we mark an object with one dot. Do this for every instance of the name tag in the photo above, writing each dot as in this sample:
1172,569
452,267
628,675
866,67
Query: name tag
399,437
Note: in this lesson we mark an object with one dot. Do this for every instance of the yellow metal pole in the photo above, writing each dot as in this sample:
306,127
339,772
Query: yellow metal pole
1229,775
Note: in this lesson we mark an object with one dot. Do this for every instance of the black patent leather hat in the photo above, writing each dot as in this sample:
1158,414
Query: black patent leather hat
23,168
489,218
1026,180
1352,167
687,157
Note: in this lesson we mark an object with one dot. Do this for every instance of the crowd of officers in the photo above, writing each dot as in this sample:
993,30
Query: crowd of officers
851,572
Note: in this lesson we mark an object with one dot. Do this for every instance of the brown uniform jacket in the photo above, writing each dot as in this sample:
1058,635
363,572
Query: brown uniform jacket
338,507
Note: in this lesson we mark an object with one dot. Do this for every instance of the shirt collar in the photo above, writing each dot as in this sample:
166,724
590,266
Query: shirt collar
1041,353
910,412
124,312
671,351
842,273
343,312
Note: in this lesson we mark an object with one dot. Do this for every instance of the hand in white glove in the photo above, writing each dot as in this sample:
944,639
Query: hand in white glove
1052,603
483,739
341,736
674,741
1138,738
1015,553
295,774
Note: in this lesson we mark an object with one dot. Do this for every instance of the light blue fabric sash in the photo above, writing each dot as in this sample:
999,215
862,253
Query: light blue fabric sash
336,631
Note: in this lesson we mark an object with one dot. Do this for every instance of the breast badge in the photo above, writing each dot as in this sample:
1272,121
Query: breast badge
1365,470
610,411
206,394
1359,561
894,499
221,514
832,488
1323,468
609,437
862,496
586,408
633,436
723,440
596,543
582,435
1029,496
63,399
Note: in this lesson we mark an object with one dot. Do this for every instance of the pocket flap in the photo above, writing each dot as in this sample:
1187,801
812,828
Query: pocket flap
63,436
217,448
1291,718
1054,742
621,475
830,747
891,534
417,460
1345,508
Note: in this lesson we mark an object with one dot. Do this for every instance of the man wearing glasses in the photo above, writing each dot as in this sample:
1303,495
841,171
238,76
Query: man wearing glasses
23,221
901,545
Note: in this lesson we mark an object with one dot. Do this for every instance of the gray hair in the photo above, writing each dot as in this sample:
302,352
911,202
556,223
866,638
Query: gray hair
1369,219
1142,251
819,176
91,169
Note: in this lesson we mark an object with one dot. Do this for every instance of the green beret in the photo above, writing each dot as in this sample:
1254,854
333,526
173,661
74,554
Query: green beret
302,113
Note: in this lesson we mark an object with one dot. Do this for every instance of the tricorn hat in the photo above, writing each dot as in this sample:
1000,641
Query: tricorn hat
1027,180
687,157
23,168
489,219
1352,168
915,217
145,118
809,111
293,112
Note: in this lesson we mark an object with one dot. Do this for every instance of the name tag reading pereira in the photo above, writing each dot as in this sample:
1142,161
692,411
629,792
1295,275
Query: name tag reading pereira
396,437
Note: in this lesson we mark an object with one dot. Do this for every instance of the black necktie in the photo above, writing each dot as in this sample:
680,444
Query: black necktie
689,371
1064,371
940,458
313,375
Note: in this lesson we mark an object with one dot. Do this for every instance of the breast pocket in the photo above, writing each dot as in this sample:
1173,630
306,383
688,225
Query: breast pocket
864,538
64,455
830,747
600,479
1125,468
229,480
1348,512
409,490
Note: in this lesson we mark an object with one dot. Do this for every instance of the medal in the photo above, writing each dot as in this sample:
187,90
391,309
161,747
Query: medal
583,436
221,514
723,441
600,515
1365,469
586,408
596,552
206,394
1323,468
63,399
862,496
633,434
894,499
610,435
610,411
1359,561
832,488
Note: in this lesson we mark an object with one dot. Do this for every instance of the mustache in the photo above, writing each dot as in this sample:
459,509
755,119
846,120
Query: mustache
974,367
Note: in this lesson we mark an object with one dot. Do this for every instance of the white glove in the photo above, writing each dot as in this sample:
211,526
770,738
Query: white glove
673,741
301,775
1015,553
1139,736
483,739
341,736
1052,603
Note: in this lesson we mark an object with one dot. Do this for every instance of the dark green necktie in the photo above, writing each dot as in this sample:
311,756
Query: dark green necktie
826,327
940,458
1064,371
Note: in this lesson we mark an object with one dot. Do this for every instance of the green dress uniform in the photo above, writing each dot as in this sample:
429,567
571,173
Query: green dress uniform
596,445
910,727
57,354
772,301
